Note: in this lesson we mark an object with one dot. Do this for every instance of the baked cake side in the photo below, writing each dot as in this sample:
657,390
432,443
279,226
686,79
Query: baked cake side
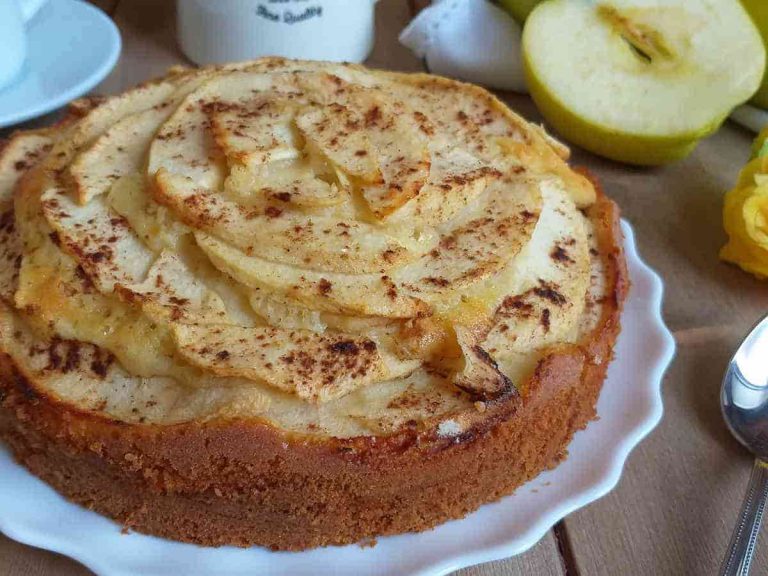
160,366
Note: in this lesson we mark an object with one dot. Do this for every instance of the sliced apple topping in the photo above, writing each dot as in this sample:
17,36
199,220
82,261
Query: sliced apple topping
184,145
373,140
478,242
365,294
480,376
312,242
120,151
172,290
543,160
17,155
456,178
153,223
335,250
100,240
315,367
257,130
336,131
551,278
425,393
284,183
402,155
11,251
108,113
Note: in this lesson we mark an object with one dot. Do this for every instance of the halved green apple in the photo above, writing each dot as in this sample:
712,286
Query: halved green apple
519,9
639,81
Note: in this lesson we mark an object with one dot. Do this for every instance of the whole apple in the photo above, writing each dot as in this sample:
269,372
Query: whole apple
519,9
758,9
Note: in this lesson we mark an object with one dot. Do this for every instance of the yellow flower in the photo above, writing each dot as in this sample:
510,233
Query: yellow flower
745,214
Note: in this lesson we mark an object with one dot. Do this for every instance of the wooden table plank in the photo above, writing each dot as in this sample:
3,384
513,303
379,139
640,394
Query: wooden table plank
677,502
17,560
542,560
20,560
149,49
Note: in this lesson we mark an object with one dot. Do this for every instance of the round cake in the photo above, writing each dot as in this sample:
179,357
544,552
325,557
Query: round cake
297,304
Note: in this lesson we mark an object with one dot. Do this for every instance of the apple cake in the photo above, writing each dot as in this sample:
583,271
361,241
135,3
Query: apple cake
296,304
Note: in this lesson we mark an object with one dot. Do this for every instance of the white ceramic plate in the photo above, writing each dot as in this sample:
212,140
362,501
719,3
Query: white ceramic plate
72,46
629,408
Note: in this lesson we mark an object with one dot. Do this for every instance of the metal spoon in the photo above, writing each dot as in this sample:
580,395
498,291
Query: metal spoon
744,401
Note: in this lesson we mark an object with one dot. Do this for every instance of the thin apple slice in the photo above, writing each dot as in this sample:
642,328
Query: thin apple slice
366,295
337,131
469,118
257,130
312,242
99,239
388,406
315,367
551,281
20,153
480,377
186,146
456,178
401,153
661,75
105,115
374,140
122,149
11,250
290,183
478,242
172,291
17,155
118,152
154,224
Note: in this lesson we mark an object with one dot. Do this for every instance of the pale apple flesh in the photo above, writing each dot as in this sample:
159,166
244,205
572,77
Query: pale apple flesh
640,81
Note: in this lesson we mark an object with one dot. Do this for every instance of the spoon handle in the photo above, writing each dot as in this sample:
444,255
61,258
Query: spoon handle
745,534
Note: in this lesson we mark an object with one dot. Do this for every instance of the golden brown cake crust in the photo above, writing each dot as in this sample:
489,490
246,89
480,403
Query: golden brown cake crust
247,483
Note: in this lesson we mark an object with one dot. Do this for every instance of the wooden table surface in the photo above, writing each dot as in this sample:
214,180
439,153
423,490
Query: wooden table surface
680,492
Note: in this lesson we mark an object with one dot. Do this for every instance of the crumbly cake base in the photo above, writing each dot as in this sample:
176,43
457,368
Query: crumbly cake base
245,483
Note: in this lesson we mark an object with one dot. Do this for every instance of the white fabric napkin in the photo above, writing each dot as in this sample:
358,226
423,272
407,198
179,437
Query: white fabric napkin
750,117
472,40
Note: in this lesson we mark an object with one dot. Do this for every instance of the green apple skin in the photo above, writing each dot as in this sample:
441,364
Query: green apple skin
519,9
758,10
612,144
609,141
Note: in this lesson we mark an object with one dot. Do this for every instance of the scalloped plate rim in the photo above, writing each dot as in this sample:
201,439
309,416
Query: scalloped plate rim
371,561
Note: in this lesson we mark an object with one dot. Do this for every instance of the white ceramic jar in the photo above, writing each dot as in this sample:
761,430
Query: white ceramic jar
214,31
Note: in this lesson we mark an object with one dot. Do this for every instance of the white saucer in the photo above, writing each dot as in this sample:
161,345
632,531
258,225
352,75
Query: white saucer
629,408
72,46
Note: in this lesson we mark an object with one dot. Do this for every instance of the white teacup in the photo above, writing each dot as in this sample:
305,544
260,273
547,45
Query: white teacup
214,31
14,16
